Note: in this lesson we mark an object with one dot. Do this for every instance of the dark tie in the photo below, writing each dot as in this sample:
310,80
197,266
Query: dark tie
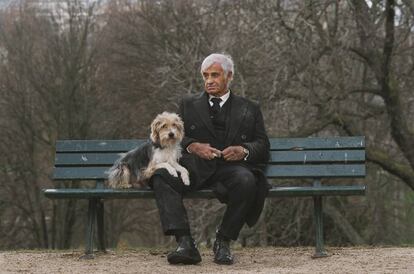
216,105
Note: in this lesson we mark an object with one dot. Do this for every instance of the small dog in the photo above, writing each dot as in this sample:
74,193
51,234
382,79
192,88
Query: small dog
136,167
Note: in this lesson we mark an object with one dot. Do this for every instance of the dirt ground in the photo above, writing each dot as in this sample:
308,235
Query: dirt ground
248,260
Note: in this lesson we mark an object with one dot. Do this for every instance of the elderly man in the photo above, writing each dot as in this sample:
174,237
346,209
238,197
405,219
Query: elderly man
225,149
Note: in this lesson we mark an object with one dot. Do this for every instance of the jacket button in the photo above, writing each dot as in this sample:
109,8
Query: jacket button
192,127
243,137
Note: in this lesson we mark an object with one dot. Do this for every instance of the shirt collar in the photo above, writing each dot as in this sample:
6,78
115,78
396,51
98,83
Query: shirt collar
223,98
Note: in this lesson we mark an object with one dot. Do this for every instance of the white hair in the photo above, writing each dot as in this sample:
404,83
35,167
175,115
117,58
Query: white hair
225,62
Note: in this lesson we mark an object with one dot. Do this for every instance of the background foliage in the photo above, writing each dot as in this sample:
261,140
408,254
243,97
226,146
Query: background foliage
74,70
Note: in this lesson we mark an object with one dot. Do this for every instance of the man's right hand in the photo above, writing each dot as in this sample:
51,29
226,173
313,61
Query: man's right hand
204,151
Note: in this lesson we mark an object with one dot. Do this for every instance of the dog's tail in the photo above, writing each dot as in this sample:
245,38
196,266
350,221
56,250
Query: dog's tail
119,176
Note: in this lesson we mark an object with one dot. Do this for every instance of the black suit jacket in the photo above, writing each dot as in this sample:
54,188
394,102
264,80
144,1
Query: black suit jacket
244,126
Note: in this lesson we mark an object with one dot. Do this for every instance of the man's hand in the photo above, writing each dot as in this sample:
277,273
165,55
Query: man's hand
204,151
233,153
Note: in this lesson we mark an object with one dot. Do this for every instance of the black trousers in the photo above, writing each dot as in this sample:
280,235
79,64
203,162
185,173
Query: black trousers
239,193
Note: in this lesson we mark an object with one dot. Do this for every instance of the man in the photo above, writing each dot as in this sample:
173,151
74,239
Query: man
225,149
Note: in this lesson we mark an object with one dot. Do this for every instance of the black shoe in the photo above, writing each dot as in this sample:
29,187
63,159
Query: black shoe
186,252
222,254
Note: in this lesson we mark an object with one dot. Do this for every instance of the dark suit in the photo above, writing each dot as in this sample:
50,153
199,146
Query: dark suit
239,184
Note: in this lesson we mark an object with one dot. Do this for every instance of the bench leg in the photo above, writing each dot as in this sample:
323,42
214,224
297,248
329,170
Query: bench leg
90,232
101,229
320,249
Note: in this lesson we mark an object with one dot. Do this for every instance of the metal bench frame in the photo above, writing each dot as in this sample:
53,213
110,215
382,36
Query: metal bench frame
314,158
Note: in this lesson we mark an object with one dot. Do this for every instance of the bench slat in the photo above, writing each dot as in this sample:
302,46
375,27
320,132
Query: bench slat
279,171
317,143
312,171
138,193
97,145
312,143
343,156
323,156
86,159
317,191
76,173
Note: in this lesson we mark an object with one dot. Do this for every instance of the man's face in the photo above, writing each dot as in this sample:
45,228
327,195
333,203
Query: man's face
215,82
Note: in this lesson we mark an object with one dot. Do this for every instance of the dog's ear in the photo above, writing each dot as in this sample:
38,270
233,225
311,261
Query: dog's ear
154,131
180,123
154,137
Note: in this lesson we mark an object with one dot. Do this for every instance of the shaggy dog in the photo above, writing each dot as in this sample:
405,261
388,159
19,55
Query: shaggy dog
136,167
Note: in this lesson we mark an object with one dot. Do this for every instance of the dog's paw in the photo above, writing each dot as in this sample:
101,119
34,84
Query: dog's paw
185,179
140,184
172,172
119,185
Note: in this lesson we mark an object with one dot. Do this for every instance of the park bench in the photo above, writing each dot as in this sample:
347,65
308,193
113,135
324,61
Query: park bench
293,158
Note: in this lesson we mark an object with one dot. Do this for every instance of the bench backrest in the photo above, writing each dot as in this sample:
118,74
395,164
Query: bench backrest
290,157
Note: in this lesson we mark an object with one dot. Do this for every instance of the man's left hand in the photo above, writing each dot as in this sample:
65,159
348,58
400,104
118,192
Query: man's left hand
233,153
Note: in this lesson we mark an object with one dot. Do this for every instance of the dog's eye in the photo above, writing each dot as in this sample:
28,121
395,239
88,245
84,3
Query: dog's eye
164,126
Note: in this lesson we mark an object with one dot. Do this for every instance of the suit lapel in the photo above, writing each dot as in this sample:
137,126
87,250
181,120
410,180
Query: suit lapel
234,120
202,108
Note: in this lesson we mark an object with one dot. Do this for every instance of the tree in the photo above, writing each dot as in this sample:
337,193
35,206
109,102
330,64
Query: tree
48,92
316,67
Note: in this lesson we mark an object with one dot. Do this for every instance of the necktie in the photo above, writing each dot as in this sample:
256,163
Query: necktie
216,105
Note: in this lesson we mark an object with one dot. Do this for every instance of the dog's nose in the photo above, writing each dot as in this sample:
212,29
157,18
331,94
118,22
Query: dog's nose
171,134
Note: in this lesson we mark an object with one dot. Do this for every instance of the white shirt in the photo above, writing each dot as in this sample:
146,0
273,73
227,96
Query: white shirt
223,98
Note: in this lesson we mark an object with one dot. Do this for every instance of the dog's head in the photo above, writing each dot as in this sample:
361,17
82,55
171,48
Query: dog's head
167,129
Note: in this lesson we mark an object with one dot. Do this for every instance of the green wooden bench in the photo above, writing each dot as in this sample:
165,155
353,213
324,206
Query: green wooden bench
313,158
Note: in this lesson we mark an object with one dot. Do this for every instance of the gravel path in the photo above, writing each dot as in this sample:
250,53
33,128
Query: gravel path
248,260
